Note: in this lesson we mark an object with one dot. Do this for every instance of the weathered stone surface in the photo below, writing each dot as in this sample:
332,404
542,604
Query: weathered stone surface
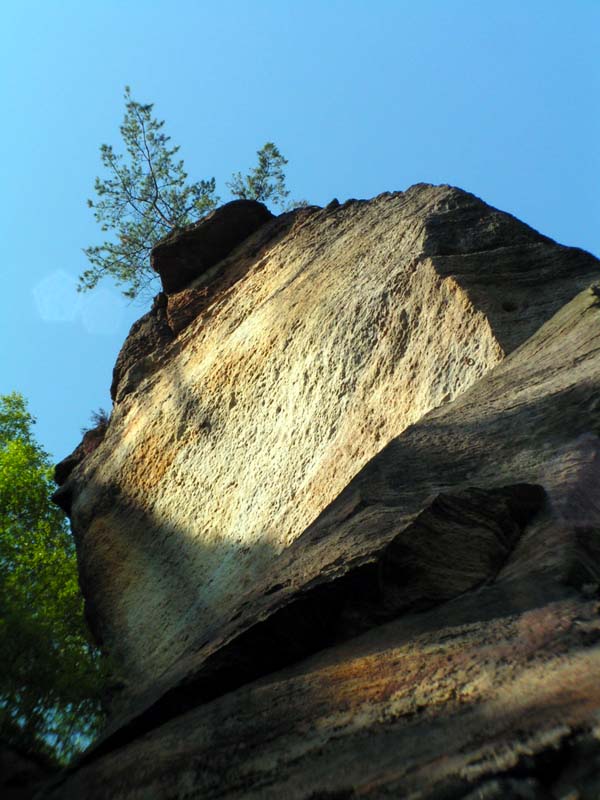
146,346
493,689
199,298
147,339
431,516
436,705
185,306
299,612
335,337
188,254
90,441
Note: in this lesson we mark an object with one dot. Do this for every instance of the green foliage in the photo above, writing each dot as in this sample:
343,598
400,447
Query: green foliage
266,182
52,676
144,196
99,420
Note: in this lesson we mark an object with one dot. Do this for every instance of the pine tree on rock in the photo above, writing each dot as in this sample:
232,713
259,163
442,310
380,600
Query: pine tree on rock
144,196
266,182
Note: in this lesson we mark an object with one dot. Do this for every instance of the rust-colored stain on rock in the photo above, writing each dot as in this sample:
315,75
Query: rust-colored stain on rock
341,534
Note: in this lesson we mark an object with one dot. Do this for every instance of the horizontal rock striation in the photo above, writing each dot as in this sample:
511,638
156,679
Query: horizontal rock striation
338,542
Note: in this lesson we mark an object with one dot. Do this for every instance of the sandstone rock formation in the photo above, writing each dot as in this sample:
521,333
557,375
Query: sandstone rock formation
185,255
341,535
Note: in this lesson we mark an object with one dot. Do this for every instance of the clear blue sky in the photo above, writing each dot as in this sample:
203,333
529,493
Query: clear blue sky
501,99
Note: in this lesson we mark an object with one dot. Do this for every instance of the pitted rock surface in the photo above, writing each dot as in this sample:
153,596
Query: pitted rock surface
342,535
431,517
147,338
337,336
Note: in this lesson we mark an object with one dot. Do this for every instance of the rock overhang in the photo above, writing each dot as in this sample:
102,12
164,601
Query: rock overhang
185,255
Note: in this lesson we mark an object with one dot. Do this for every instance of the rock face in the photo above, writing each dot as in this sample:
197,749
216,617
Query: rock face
91,440
342,534
182,257
147,339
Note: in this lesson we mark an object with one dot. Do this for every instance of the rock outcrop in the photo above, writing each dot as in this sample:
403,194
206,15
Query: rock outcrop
342,534
190,254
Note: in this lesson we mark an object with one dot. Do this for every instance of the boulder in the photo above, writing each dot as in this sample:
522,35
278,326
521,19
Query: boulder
188,254
227,442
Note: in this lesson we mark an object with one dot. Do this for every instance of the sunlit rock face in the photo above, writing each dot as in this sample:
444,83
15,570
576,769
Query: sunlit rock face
434,634
264,387
341,535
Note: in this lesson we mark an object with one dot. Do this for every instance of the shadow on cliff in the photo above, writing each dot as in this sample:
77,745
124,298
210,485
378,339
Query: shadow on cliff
374,711
133,558
300,608
474,458
333,583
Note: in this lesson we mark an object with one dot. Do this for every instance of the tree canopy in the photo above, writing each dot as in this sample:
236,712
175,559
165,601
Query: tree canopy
145,194
52,675
266,182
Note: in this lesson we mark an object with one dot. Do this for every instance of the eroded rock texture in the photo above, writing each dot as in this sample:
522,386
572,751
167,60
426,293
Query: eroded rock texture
338,542
182,257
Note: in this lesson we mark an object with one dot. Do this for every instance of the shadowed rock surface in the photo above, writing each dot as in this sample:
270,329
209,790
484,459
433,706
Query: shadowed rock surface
90,441
23,773
146,340
188,254
389,586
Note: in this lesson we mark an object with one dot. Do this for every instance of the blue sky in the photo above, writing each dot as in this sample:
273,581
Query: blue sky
362,97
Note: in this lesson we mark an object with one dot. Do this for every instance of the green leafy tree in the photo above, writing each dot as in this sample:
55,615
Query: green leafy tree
52,676
144,195
266,182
